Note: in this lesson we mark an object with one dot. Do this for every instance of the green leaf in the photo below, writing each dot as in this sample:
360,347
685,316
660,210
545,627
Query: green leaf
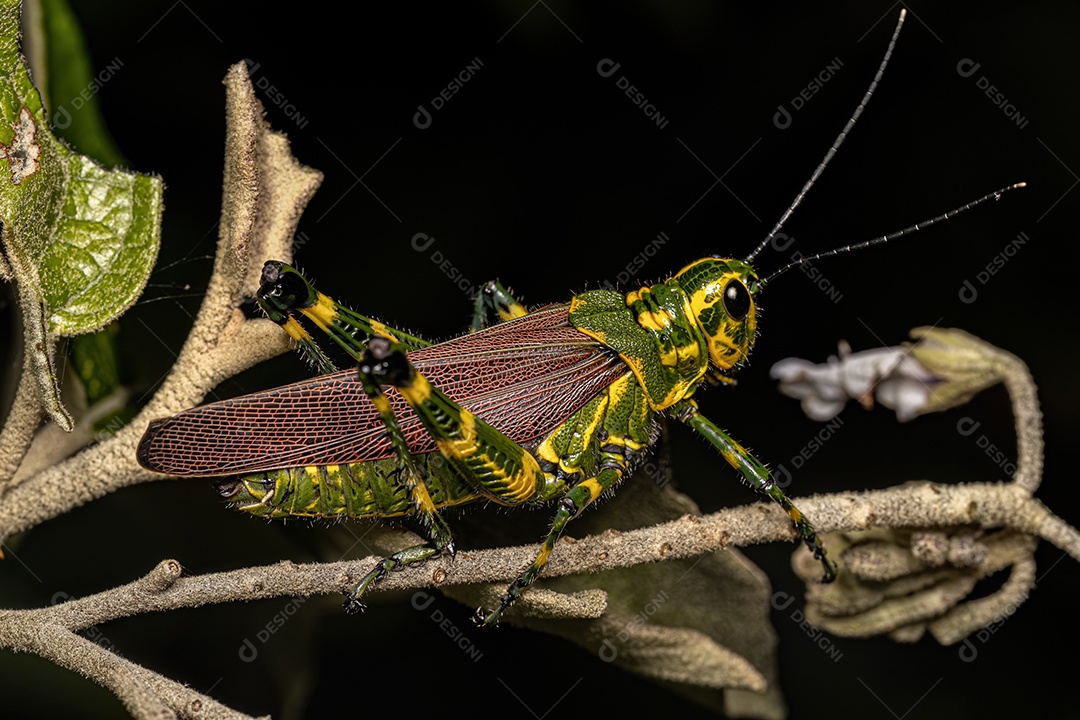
80,240
93,358
65,77
103,248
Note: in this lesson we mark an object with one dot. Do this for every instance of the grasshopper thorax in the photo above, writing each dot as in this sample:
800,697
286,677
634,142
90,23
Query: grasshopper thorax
720,292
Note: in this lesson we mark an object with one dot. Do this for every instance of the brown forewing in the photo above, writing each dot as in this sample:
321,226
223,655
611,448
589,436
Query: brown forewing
524,377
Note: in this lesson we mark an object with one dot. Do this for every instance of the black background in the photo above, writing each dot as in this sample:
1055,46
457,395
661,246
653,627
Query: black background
542,173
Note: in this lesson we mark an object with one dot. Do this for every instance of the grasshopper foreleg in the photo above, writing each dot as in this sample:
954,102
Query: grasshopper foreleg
571,505
757,476
494,300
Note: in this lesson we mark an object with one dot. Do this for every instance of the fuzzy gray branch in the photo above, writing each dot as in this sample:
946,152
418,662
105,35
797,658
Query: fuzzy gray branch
145,694
50,631
986,505
24,418
968,365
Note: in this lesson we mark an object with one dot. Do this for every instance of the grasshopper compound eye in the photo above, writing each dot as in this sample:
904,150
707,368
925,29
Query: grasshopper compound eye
736,300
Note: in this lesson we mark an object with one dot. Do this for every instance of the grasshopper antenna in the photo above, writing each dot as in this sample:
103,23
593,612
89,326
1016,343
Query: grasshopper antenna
891,236
836,143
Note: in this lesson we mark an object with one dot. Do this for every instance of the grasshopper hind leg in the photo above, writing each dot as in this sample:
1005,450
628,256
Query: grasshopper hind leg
493,464
285,295
400,559
440,537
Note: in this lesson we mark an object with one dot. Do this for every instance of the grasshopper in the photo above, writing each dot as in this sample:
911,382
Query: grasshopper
553,406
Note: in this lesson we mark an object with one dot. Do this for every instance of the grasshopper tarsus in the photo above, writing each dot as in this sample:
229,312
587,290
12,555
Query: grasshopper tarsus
352,606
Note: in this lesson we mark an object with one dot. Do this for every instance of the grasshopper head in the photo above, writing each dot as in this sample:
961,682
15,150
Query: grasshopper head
721,293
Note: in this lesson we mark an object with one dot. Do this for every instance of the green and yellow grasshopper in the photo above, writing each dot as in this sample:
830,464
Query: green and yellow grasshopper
553,406
557,405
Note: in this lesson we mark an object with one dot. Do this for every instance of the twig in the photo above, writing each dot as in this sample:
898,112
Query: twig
146,694
21,422
988,505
